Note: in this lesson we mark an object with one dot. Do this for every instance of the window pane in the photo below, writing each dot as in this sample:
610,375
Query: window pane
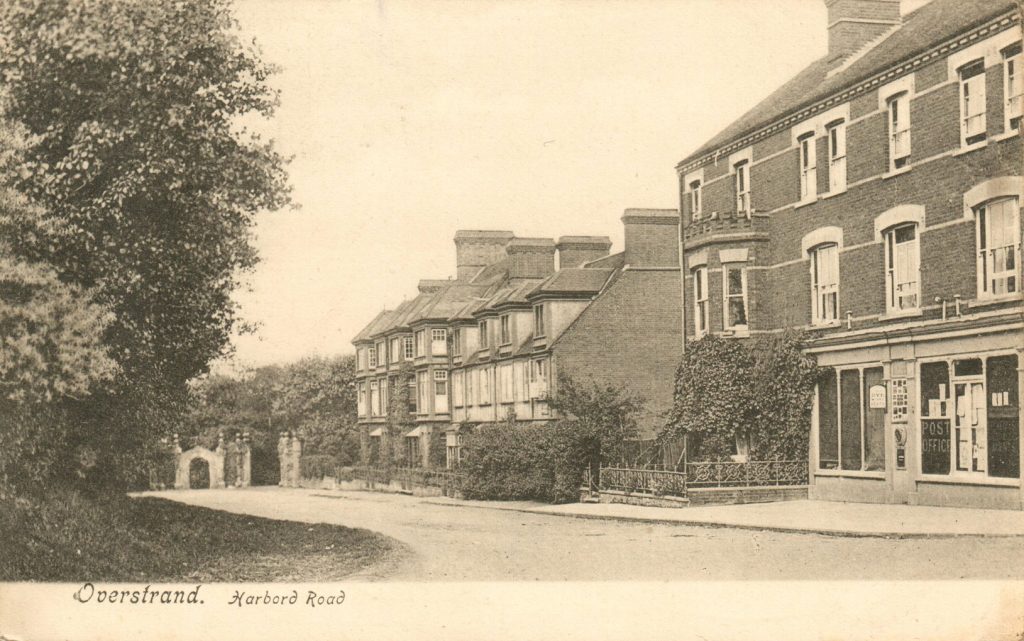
737,312
1003,416
828,428
874,424
735,279
849,384
935,424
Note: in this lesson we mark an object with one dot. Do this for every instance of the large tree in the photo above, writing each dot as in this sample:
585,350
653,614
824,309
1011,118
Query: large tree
148,179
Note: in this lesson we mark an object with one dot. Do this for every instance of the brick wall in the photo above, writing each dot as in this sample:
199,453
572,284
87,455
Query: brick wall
777,182
629,337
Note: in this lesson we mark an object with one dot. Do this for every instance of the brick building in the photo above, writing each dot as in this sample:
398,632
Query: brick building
490,343
875,200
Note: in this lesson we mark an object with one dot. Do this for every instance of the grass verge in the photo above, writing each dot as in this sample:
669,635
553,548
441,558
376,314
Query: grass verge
69,537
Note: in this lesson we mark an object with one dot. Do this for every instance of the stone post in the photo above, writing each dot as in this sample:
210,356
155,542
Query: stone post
180,480
282,457
246,471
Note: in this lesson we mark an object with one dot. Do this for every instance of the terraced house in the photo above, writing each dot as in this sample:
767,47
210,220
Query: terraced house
875,201
489,344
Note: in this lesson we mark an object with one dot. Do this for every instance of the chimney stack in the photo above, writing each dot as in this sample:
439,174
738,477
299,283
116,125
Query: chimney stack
530,257
431,285
854,23
476,249
652,237
574,251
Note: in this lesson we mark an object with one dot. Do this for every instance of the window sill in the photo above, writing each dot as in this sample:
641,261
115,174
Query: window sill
833,194
826,325
966,149
913,313
991,300
860,474
1006,135
892,173
736,332
804,202
955,479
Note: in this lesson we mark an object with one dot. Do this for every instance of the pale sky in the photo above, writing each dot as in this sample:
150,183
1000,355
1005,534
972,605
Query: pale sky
411,119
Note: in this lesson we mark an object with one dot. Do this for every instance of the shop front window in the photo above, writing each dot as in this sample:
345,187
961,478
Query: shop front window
969,417
851,433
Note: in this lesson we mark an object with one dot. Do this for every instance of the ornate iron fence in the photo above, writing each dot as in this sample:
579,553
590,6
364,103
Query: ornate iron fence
650,481
746,474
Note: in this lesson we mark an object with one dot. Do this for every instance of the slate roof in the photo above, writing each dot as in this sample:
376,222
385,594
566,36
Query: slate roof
615,261
579,280
929,25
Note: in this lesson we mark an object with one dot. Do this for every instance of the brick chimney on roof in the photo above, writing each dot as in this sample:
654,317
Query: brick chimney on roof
573,251
651,237
476,249
530,257
852,24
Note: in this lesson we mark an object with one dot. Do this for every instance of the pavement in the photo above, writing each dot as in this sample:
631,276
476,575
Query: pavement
451,540
832,518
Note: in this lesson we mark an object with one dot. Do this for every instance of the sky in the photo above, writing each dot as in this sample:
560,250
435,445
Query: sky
411,119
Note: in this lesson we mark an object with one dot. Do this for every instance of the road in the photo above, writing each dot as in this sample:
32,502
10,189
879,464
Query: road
464,543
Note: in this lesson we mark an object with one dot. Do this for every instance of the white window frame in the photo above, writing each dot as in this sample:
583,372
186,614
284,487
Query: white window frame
482,329
892,267
505,329
394,350
456,341
408,351
371,357
505,383
383,397
420,342
741,184
538,321
695,188
458,389
440,391
973,125
422,393
374,398
361,399
808,167
819,290
484,396
898,119
361,358
1013,80
985,251
835,134
701,308
726,297
438,342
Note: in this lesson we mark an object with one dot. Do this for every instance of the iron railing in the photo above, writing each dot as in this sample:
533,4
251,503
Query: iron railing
746,474
662,481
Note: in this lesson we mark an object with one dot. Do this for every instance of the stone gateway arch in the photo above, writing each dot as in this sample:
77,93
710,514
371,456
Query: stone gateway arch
231,462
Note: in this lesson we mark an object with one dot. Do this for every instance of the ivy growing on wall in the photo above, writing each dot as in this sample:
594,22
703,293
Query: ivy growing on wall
756,393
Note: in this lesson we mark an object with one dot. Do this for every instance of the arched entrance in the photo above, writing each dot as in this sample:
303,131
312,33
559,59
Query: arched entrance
199,474
214,464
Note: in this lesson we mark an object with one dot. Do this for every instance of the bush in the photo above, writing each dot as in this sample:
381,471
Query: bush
317,466
515,462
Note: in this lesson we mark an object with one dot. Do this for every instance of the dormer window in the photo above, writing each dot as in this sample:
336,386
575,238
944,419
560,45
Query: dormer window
695,200
808,168
1013,87
742,182
972,103
899,130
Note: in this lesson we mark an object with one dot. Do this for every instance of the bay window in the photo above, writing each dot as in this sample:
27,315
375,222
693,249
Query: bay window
837,157
700,301
438,342
824,284
972,103
902,269
440,392
808,167
734,289
998,234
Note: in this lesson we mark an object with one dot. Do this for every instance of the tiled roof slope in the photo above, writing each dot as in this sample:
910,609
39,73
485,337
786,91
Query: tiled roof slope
586,280
931,24
373,327
639,314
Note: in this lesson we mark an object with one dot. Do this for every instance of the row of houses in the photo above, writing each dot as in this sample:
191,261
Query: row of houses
874,200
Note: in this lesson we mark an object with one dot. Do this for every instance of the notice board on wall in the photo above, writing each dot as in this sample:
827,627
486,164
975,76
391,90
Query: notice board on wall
935,443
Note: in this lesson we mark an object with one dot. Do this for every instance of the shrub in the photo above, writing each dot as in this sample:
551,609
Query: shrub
508,461
317,466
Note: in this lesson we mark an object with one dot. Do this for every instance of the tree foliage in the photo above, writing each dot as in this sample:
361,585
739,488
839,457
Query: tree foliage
149,182
756,392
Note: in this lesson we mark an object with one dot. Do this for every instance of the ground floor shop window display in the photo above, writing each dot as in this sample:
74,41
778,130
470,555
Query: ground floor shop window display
970,417
851,433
